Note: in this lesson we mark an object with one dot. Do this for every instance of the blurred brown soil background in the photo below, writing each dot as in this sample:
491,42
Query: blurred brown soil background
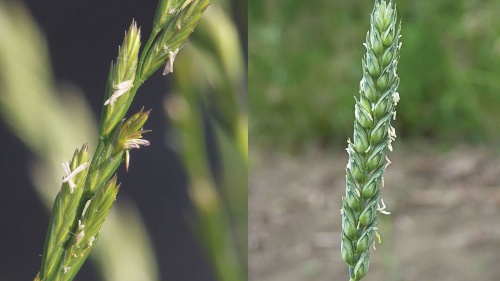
444,222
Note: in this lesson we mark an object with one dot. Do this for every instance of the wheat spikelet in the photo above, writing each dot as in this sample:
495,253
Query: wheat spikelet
373,135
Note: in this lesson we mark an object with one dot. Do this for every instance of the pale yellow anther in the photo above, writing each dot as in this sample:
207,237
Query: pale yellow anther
120,89
69,175
169,67
382,208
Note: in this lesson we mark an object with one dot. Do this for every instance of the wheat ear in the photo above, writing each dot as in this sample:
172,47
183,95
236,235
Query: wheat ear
89,186
373,135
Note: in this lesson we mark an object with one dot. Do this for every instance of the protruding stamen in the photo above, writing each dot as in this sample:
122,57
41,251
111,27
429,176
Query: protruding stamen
389,145
135,143
80,225
79,237
120,89
382,208
127,159
132,143
395,98
387,162
169,67
70,175
392,133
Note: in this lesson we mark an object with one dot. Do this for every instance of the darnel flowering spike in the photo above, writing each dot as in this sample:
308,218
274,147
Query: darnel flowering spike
373,136
89,186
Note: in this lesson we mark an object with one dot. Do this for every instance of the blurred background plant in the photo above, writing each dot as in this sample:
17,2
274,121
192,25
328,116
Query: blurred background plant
212,107
304,70
52,121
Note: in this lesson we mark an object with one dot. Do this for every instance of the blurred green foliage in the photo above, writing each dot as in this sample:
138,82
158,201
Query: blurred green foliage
305,68
210,96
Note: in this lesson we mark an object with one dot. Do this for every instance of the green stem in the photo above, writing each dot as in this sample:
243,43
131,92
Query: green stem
145,51
87,194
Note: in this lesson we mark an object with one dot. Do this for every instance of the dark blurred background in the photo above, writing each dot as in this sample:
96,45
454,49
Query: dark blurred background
83,38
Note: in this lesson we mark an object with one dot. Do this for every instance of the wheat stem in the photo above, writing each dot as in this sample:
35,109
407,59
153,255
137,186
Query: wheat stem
373,136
